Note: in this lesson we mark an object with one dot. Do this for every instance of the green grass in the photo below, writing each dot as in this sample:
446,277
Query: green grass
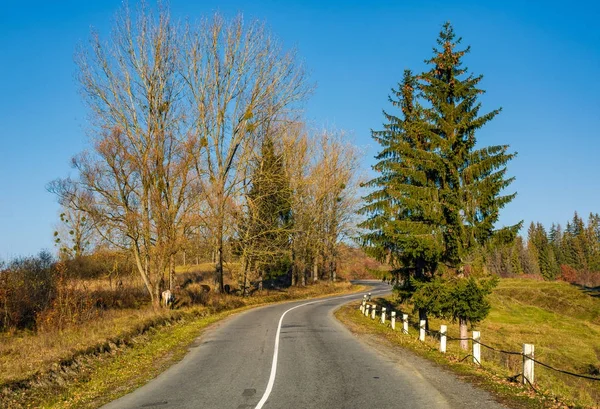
561,320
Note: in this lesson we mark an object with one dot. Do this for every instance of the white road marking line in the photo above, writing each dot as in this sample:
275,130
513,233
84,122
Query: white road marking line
265,396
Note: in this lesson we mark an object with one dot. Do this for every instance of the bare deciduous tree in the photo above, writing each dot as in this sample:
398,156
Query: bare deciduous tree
322,169
75,236
238,79
138,176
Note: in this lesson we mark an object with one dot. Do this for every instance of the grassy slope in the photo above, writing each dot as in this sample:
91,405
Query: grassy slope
562,321
97,362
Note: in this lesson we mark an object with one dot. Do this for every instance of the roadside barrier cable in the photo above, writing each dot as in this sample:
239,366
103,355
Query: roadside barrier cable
514,377
530,384
592,378
500,350
458,339
437,334
465,358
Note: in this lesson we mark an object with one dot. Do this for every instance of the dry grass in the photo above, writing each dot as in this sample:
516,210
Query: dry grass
26,358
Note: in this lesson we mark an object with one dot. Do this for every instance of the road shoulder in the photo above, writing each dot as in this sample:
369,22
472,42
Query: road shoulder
462,384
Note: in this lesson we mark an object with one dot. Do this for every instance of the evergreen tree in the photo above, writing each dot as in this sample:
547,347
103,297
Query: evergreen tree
404,218
268,219
437,198
515,256
540,246
471,180
555,238
593,234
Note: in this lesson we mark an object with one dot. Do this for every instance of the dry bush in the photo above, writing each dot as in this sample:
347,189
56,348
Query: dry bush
568,273
120,297
192,294
589,278
584,278
113,265
28,288
70,305
355,264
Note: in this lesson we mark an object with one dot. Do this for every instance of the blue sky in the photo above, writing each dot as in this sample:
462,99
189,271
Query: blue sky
541,62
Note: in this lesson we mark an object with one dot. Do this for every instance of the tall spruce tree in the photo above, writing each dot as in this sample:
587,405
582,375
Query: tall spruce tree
473,179
403,217
438,197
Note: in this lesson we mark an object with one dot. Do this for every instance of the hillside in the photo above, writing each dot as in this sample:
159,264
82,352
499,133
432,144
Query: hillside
560,319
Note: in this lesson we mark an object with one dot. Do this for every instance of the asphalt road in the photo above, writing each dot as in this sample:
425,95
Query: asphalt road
318,364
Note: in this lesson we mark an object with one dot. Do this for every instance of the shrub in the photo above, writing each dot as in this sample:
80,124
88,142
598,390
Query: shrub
568,273
70,305
28,287
102,263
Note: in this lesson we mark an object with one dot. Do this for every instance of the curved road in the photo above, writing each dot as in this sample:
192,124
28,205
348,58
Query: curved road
318,364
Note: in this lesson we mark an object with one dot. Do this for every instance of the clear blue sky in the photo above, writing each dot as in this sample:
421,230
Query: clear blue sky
541,62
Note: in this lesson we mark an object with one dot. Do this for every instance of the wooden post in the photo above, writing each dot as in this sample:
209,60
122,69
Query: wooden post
405,323
476,347
528,355
367,306
393,320
422,330
373,311
443,332
383,315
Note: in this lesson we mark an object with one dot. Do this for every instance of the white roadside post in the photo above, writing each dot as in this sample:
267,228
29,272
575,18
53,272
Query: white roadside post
443,332
368,296
383,315
374,312
476,347
422,330
367,306
528,355
405,323
393,320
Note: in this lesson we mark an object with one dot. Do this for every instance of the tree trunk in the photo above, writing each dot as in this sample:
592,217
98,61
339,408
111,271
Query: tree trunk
315,270
260,280
333,270
242,281
156,300
219,262
171,273
303,278
423,316
464,342
143,270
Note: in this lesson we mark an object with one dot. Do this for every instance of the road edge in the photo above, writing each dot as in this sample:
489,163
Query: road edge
378,336
99,378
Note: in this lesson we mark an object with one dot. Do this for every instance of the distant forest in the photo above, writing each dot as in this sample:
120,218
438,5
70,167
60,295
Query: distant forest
570,253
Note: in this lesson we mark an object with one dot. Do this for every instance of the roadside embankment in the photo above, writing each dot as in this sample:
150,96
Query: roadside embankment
88,365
